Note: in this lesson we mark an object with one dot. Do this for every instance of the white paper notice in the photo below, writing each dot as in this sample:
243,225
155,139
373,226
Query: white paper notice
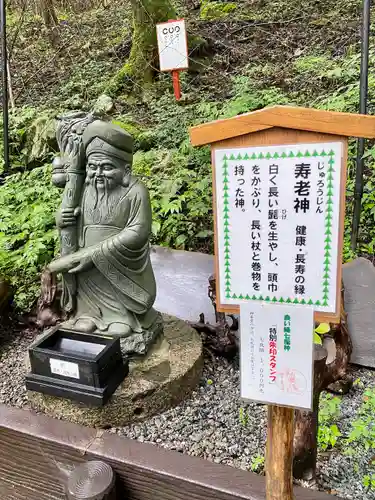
64,368
278,219
277,354
172,45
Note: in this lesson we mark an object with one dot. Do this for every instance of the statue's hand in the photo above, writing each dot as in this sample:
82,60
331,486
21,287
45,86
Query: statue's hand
68,217
84,265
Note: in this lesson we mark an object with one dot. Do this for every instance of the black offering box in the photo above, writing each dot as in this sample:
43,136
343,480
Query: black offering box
73,365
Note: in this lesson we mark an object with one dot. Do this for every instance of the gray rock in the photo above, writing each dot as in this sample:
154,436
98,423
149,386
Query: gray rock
139,343
359,282
103,105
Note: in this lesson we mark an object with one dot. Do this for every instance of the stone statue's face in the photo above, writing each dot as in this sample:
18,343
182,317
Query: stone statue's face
104,171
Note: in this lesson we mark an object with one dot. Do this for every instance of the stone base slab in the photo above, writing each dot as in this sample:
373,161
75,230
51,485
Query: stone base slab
163,378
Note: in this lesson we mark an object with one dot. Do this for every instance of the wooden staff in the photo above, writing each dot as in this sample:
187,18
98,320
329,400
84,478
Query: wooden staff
69,137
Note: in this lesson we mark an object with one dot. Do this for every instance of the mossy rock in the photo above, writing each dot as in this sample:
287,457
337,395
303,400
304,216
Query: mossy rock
143,140
216,10
41,136
121,82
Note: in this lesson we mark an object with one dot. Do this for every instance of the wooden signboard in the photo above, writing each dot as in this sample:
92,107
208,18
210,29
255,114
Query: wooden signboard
279,215
279,178
310,166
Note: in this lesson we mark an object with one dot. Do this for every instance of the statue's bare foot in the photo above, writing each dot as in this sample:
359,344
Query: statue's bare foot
119,330
85,326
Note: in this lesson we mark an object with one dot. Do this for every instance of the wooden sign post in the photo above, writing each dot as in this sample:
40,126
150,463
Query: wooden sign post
173,50
279,179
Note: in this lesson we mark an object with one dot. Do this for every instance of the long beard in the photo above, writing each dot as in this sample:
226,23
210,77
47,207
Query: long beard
100,202
99,194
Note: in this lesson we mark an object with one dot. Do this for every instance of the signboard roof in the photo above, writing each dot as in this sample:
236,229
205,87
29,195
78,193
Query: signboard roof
312,120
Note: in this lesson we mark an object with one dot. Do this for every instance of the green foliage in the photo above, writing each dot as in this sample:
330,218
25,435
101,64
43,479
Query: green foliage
28,238
216,10
367,225
328,432
243,416
121,81
363,428
171,121
321,329
257,463
315,67
181,198
368,481
358,383
142,139
248,97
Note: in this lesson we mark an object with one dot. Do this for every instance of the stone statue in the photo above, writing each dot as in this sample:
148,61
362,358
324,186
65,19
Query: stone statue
105,224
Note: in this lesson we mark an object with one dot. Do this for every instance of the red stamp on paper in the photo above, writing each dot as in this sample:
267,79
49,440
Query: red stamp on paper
292,381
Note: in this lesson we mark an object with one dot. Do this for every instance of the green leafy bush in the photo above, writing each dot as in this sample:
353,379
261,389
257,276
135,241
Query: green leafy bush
363,427
233,78
257,463
368,481
328,432
28,238
181,198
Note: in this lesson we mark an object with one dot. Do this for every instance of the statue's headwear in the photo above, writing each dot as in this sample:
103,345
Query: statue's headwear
105,137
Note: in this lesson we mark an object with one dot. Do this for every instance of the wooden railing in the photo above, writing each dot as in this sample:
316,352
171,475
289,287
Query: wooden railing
39,457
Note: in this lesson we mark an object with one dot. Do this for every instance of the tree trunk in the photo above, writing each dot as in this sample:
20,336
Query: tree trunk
325,373
47,11
143,60
306,425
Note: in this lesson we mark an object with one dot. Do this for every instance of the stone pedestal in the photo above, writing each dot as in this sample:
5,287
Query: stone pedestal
163,378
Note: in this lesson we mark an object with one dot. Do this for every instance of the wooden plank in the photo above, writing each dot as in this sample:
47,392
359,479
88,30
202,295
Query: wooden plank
313,120
37,452
277,136
327,122
210,133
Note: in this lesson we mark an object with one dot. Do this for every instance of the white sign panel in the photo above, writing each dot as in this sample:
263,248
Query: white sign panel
172,45
278,219
64,368
277,354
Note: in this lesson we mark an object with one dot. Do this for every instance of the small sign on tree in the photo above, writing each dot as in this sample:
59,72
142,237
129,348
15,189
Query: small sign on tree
173,50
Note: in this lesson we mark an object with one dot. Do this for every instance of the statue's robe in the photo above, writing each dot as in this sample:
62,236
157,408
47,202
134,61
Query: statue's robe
120,288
